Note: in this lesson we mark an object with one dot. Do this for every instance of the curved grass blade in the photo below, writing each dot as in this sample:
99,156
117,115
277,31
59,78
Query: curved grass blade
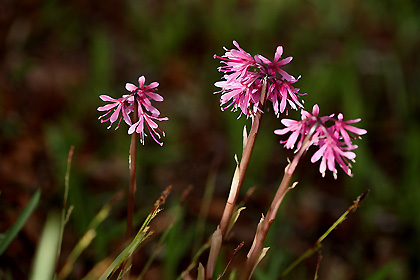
17,226
46,254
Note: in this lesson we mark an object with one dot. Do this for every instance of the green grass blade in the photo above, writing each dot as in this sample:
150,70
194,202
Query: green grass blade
317,244
142,234
11,234
46,254
65,213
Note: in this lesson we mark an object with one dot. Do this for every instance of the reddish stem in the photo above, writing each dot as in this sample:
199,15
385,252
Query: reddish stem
235,188
256,249
131,186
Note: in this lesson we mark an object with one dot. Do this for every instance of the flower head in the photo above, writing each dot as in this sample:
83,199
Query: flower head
334,141
121,105
146,121
140,96
243,78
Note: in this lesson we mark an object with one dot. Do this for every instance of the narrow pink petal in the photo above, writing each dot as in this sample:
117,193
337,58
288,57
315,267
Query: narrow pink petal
151,123
236,45
285,75
285,61
353,121
359,131
264,59
349,155
331,162
115,115
130,87
283,103
142,79
140,127
153,85
281,131
107,107
154,96
292,140
318,154
133,128
322,166
288,122
220,84
315,110
127,119
278,54
106,98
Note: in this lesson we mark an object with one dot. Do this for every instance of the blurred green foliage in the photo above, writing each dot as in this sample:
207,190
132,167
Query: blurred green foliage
356,57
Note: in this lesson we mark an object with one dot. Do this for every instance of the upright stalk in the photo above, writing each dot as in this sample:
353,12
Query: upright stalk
131,188
262,230
132,183
238,179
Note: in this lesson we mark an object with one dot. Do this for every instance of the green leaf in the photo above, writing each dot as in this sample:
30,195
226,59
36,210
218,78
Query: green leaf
382,273
13,231
46,254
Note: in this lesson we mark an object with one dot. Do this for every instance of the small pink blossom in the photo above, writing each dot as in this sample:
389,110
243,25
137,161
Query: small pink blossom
120,105
243,78
334,141
332,150
284,91
146,121
142,94
343,126
276,64
147,90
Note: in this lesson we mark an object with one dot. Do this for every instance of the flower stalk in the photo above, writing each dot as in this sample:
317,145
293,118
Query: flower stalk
243,166
132,188
143,120
257,247
238,179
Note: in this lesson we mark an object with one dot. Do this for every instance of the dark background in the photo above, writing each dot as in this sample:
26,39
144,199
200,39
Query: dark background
357,57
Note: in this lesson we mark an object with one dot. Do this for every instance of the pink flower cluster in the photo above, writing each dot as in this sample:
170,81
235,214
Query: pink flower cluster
147,114
243,79
334,141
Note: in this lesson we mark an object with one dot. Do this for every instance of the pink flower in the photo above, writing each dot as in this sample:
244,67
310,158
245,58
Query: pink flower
145,93
342,127
276,64
146,121
120,106
284,90
145,90
300,128
142,94
332,150
243,77
334,141
240,94
237,61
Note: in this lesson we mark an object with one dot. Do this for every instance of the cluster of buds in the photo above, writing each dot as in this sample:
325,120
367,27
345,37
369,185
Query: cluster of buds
139,98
